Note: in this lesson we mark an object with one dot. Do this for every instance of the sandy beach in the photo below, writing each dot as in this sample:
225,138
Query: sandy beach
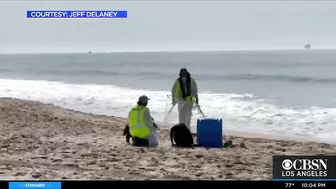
40,141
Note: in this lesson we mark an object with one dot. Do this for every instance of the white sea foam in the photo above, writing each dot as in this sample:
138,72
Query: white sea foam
240,112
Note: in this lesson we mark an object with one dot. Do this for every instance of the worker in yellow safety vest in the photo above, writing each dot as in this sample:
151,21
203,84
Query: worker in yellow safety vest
141,125
184,93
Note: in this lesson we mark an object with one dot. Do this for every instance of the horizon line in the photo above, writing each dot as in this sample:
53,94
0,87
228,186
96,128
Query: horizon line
171,51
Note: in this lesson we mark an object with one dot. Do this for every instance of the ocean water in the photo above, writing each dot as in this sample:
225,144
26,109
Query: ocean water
287,93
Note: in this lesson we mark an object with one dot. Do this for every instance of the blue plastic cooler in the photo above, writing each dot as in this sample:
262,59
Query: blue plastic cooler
210,133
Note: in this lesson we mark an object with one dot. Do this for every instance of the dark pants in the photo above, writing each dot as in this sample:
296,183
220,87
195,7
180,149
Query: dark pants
140,142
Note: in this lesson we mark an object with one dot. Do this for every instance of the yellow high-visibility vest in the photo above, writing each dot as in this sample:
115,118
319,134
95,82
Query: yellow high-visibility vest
178,93
136,122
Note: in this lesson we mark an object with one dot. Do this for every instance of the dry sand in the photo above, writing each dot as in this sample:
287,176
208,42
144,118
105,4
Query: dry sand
39,141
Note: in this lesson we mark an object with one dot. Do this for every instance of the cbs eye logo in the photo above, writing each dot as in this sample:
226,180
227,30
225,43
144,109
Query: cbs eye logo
287,164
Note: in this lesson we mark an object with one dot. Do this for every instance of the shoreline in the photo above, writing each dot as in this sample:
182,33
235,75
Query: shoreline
255,135
275,137
226,132
45,142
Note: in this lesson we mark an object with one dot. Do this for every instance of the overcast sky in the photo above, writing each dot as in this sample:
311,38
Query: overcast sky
171,26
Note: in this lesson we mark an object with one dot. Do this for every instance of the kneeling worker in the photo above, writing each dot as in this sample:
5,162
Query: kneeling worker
141,124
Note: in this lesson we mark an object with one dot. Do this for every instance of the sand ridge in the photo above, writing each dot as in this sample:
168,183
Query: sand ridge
42,141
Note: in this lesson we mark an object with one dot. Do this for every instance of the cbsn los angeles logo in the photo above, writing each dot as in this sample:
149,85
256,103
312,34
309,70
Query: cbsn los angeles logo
304,168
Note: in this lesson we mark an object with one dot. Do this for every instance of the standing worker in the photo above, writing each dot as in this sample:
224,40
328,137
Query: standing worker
141,124
184,93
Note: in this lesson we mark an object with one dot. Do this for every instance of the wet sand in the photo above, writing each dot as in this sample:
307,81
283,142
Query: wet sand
40,141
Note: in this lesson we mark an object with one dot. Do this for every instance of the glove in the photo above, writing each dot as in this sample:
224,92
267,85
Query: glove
154,124
196,101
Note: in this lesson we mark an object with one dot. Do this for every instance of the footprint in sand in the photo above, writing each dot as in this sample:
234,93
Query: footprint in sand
19,174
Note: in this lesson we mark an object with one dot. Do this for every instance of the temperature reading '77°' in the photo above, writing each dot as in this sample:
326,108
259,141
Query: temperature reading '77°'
289,185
